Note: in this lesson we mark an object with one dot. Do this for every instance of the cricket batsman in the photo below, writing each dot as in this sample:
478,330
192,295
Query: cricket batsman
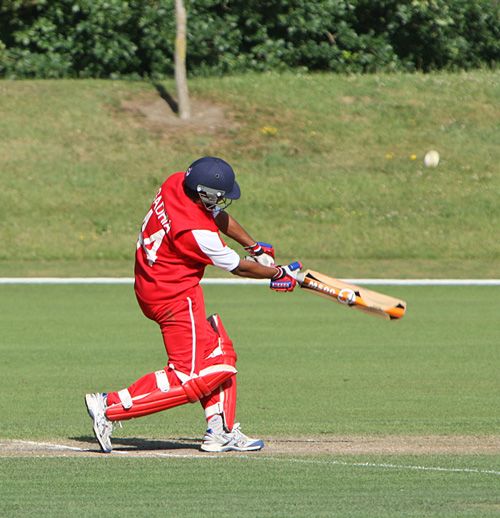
180,236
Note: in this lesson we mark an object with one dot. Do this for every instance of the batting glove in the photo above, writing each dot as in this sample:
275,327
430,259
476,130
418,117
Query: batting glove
286,277
262,253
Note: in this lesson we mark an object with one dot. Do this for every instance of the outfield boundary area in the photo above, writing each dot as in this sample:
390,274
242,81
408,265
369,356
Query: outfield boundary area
243,281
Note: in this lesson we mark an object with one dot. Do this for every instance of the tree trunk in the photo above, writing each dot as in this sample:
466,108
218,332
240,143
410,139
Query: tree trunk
180,61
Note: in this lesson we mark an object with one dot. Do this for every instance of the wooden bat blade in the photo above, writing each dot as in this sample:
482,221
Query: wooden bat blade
367,301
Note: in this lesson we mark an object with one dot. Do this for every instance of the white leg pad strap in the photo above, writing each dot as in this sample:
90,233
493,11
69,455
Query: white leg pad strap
182,377
162,381
125,398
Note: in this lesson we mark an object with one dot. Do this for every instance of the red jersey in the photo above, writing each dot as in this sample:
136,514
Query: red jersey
178,239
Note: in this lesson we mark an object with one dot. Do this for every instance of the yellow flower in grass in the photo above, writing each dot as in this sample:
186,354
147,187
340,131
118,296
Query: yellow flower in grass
269,130
413,157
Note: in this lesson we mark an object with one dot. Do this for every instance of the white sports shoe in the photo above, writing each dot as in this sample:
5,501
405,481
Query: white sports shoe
103,427
235,440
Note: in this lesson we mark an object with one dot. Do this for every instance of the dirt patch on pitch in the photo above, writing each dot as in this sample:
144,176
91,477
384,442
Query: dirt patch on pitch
391,445
290,446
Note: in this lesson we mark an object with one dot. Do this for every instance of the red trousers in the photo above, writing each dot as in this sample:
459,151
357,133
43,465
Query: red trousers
191,345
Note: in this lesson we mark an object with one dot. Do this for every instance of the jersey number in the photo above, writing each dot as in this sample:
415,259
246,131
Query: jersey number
150,244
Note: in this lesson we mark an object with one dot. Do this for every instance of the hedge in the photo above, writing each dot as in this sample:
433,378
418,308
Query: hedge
120,38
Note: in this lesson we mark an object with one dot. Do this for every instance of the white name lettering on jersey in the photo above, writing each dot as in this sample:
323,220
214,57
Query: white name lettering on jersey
159,208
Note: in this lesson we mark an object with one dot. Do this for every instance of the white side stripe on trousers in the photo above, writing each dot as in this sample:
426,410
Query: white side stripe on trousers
193,334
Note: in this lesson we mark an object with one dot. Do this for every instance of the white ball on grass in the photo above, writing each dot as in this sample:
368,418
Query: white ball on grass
431,158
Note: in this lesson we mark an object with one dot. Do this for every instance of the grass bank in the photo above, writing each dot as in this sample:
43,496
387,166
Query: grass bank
330,167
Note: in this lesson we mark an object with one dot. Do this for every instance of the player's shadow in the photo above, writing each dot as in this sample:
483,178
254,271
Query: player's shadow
140,444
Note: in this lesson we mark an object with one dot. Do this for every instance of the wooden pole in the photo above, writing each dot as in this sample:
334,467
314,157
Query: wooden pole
180,61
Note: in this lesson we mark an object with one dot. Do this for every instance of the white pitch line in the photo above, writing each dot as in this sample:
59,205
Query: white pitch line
417,468
256,457
51,445
250,457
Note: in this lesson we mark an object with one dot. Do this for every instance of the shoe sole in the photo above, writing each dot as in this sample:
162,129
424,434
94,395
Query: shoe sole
255,447
88,404
224,449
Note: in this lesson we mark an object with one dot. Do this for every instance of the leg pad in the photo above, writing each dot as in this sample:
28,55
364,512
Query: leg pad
190,391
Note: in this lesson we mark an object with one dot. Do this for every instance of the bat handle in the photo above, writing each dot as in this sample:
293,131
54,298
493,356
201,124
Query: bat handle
300,277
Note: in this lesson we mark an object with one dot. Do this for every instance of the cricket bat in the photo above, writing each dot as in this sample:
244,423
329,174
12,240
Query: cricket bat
368,301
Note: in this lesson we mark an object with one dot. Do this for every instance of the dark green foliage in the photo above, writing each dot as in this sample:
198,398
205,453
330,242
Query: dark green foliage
86,38
436,34
111,38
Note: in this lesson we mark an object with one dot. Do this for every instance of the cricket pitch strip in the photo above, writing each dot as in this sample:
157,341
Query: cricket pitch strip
275,446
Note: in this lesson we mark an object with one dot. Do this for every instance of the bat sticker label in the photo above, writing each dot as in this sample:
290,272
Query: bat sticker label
323,287
347,296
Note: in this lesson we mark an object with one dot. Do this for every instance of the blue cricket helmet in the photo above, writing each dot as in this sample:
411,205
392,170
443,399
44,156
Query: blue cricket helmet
214,181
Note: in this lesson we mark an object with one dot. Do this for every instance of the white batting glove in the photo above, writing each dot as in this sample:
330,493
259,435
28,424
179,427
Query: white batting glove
262,253
264,259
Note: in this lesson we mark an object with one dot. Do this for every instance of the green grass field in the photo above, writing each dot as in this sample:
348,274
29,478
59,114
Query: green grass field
361,417
309,370
253,488
330,167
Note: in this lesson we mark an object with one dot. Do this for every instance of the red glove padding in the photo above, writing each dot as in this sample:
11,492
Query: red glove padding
260,248
285,278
